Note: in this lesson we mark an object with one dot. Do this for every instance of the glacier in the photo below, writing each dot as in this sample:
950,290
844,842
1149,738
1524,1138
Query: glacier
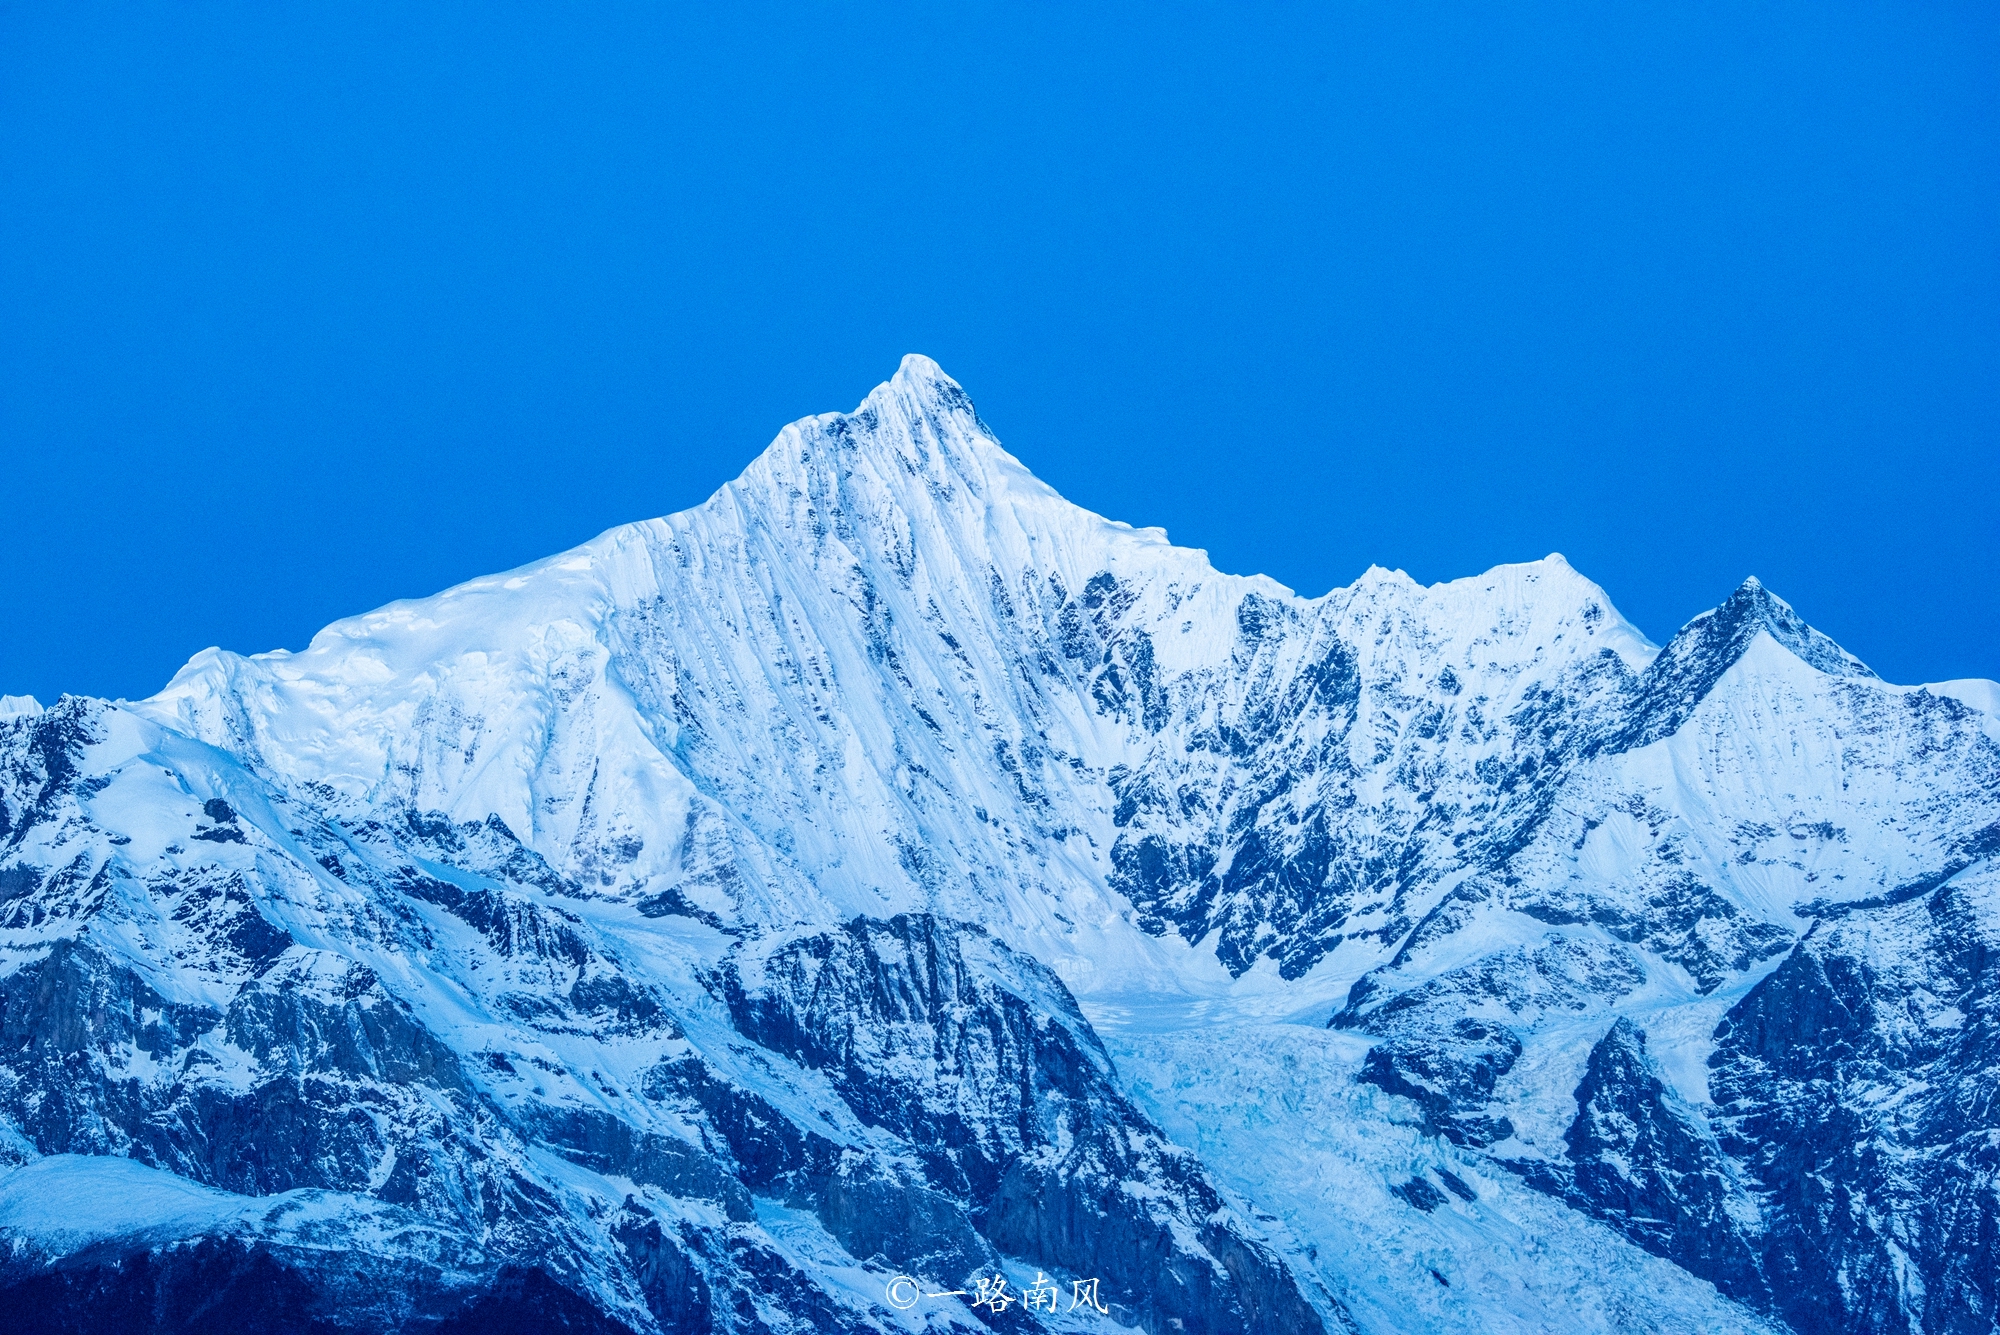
888,869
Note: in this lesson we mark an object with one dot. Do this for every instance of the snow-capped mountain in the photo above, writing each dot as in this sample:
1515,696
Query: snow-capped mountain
890,869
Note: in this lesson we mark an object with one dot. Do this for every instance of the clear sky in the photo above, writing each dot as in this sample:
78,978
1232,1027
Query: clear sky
305,308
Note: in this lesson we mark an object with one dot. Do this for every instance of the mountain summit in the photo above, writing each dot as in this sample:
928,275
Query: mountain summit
886,879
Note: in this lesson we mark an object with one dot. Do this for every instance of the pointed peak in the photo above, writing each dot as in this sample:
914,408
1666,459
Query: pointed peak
919,392
920,379
1713,643
917,424
1753,607
1752,598
915,368
1753,595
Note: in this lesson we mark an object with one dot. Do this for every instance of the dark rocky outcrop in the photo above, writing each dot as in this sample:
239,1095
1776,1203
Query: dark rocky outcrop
980,1059
1642,1161
1856,1084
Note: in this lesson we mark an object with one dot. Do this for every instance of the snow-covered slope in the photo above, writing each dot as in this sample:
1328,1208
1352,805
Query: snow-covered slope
889,866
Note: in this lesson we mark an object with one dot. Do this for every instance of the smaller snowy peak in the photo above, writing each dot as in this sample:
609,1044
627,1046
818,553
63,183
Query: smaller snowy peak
1547,595
1714,642
1756,607
18,706
1972,692
1381,577
1716,639
1513,621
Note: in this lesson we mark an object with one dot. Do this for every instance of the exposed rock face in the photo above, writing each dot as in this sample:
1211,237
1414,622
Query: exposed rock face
985,1065
1858,1084
1852,1135
1643,1161
700,929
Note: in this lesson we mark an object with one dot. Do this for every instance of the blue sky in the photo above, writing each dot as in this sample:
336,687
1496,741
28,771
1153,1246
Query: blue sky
307,308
